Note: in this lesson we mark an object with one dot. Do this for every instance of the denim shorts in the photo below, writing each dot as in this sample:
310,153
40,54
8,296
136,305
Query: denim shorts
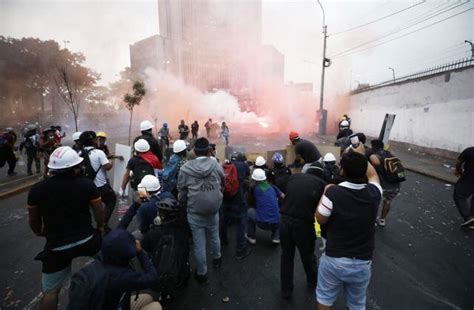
350,274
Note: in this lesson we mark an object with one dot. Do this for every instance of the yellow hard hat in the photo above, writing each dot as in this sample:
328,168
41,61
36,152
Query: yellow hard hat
101,134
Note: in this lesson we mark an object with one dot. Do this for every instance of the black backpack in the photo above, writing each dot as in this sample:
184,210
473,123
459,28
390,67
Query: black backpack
171,259
392,168
141,169
89,171
280,177
88,287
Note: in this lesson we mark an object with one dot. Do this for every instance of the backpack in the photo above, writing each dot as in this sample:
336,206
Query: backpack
141,169
170,174
89,171
392,168
231,187
88,286
280,177
171,260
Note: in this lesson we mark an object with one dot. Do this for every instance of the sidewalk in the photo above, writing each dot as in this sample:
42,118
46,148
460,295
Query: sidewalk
18,183
433,166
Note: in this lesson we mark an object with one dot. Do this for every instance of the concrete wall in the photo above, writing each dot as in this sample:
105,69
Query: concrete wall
434,112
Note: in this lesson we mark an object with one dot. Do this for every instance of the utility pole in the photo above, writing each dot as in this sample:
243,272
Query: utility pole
326,63
393,73
472,47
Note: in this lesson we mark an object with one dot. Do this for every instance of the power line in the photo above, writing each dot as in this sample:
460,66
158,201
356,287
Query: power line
404,35
447,9
378,19
346,52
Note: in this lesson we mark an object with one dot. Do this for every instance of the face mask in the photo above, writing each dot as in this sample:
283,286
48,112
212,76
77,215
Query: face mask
157,221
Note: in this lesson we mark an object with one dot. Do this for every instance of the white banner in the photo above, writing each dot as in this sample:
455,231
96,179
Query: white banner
121,165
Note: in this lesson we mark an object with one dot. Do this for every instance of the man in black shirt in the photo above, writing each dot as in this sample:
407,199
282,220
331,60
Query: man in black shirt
303,192
59,209
146,128
305,151
195,129
349,209
183,130
464,188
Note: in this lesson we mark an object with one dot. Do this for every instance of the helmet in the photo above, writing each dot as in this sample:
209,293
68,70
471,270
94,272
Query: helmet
179,146
87,136
76,135
64,157
277,158
9,129
329,157
344,124
145,125
260,161
31,127
150,183
101,134
293,135
168,211
141,146
259,175
234,156
165,125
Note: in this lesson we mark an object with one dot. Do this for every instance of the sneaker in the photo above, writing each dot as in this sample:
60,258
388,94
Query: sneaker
244,253
380,222
217,262
468,222
276,241
201,279
250,240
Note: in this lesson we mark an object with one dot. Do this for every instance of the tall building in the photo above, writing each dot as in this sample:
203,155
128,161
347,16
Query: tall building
148,53
213,44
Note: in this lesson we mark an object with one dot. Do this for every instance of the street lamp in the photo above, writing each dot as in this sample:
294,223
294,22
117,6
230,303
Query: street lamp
393,73
326,63
472,47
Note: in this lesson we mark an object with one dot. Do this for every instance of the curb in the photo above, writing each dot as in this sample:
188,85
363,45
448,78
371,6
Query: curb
18,189
430,174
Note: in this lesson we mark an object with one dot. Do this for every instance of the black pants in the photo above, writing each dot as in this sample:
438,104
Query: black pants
297,233
109,199
7,157
195,135
32,155
463,192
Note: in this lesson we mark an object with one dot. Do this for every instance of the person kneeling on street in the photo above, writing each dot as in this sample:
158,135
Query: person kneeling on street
110,283
266,214
145,206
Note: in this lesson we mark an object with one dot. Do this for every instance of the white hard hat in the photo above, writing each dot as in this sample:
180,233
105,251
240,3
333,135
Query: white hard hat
150,183
260,161
259,175
31,126
64,157
145,125
141,146
329,157
344,123
76,135
179,146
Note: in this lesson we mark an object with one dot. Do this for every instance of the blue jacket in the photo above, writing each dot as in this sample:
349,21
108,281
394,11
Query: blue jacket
266,204
146,212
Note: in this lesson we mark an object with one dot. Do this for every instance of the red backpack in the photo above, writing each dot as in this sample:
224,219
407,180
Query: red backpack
232,185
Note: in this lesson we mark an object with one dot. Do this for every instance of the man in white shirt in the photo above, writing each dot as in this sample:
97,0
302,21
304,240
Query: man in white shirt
99,165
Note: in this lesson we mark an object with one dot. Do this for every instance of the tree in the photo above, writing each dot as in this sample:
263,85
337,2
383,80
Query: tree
132,100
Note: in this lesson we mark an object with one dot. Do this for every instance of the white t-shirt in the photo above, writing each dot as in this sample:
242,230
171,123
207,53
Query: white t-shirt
98,159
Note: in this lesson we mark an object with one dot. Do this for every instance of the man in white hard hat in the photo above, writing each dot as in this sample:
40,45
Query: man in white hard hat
344,130
266,214
332,173
149,193
59,210
146,128
142,163
77,144
172,168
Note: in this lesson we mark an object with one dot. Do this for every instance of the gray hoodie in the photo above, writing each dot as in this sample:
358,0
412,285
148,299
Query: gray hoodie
200,185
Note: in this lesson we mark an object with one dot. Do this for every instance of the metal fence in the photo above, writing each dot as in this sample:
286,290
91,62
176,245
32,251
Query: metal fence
459,64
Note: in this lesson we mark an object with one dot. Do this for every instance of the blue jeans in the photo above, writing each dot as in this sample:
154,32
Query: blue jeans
200,226
350,274
252,224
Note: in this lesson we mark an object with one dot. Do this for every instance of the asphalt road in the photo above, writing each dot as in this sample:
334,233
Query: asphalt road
422,260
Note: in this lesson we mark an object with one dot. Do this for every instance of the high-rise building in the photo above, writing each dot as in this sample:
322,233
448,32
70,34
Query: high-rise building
213,44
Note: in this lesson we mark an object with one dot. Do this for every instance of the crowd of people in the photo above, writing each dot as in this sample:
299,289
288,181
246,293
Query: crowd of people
190,198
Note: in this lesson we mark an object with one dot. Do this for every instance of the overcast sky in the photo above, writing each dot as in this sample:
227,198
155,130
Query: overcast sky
103,30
